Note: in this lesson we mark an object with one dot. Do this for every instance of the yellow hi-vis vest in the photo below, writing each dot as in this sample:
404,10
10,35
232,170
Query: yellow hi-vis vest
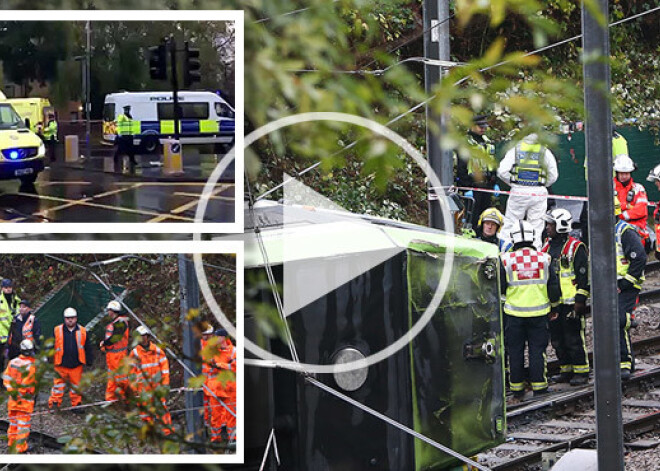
50,131
527,272
622,263
486,160
619,147
528,169
126,126
566,270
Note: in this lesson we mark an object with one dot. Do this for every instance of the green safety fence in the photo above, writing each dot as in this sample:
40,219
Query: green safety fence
87,298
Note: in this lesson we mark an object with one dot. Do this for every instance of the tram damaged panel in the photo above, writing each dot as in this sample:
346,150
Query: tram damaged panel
440,385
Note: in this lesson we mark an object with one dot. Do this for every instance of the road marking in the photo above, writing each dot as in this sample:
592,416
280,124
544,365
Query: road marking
62,183
197,195
171,183
192,204
88,198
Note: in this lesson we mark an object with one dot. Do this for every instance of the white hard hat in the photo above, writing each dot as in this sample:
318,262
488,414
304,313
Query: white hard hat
27,345
522,232
70,312
208,330
142,330
113,306
623,163
562,219
654,174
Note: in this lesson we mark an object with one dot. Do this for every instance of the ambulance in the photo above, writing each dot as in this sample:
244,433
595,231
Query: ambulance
36,110
206,118
22,152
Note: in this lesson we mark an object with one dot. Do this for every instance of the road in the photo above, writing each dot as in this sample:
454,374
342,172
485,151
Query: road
91,191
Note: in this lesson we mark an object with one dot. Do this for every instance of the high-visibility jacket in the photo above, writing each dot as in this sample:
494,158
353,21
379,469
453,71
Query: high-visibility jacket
634,204
7,313
50,131
527,274
20,377
150,368
622,262
28,328
528,169
619,146
114,343
212,367
81,339
566,270
124,125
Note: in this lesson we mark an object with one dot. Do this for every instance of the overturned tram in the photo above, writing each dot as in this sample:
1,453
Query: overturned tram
351,286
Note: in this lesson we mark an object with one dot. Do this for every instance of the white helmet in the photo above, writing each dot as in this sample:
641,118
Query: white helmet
27,345
561,218
623,163
208,330
654,174
113,306
70,312
142,330
522,232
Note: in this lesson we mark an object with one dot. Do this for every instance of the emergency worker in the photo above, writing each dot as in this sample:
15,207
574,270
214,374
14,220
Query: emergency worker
214,360
488,226
571,263
531,288
632,197
228,391
25,326
72,352
50,137
654,176
9,303
477,169
630,264
19,380
115,346
124,139
150,371
529,168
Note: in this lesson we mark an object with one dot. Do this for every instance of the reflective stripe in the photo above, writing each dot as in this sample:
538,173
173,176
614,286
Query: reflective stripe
581,369
208,126
527,309
167,127
517,386
540,281
539,386
566,368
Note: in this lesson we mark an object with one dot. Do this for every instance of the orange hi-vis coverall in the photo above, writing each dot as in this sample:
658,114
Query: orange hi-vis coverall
19,381
150,370
65,359
215,414
230,392
115,346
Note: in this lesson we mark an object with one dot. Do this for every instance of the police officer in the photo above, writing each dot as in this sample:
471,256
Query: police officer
529,167
571,263
630,264
124,139
477,169
50,136
8,309
531,289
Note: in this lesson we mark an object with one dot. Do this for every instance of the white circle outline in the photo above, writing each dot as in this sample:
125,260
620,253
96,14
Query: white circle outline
446,270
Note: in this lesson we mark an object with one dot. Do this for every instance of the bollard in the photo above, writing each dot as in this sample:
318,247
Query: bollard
172,158
71,149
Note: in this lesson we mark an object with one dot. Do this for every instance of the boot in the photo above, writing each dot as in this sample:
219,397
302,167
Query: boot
580,379
564,377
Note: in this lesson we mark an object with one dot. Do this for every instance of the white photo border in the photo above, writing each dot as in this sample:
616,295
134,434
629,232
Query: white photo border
150,247
236,16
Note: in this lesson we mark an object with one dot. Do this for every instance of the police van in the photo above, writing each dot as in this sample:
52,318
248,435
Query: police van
205,118
21,151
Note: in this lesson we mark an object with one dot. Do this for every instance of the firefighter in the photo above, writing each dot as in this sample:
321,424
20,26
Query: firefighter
115,346
654,176
630,264
532,291
25,326
124,139
529,168
632,196
150,371
19,380
571,264
9,303
489,225
50,137
72,352
477,169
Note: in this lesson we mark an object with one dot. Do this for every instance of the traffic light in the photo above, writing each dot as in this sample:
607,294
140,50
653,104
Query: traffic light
191,65
158,62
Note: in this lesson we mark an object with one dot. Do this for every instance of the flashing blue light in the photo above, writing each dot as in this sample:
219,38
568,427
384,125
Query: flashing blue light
13,155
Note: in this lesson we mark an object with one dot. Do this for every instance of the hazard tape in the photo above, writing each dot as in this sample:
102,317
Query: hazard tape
433,196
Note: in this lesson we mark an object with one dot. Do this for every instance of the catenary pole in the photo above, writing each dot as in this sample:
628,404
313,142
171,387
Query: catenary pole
189,291
436,46
609,430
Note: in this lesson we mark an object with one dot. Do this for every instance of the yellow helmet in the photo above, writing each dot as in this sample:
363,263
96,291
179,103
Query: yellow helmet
617,206
493,215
